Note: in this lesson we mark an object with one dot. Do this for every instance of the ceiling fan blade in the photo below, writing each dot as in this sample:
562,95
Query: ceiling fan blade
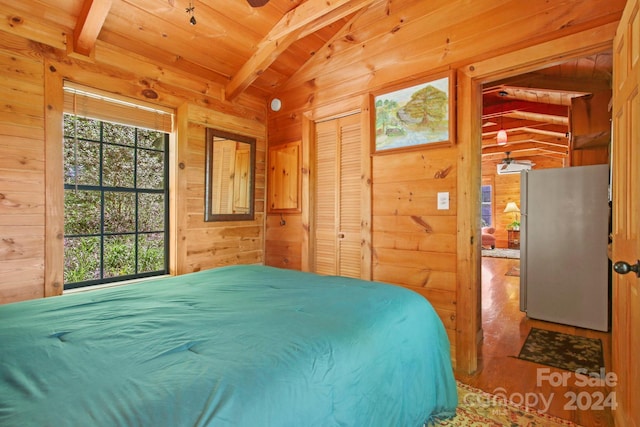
257,3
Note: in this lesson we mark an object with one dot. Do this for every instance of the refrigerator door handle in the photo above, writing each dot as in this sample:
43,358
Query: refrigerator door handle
523,239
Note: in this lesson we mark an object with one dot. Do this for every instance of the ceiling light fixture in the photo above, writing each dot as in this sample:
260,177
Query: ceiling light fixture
190,11
501,138
276,104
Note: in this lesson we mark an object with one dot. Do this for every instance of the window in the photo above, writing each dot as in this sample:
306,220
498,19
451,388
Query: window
115,201
486,205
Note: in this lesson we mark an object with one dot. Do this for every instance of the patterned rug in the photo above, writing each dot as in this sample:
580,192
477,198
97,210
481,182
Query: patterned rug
563,351
513,271
502,253
477,408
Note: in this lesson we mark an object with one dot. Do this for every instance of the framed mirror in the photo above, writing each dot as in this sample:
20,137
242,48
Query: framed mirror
229,176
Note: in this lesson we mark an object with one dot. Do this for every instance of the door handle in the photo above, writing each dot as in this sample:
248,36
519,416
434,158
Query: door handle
340,235
622,267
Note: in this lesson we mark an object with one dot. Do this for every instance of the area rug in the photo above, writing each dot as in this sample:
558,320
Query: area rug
477,408
502,253
513,271
569,352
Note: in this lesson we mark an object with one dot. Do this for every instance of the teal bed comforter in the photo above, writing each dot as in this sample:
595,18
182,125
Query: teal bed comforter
232,346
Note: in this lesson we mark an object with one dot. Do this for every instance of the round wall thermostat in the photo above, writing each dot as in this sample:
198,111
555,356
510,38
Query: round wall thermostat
276,104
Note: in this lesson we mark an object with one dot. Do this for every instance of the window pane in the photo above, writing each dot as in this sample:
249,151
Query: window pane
119,134
81,212
150,169
81,162
151,139
119,212
486,194
119,256
150,252
115,202
81,259
85,128
151,212
486,206
118,166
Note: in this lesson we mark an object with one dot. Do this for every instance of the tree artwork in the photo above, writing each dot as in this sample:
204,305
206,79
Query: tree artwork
413,116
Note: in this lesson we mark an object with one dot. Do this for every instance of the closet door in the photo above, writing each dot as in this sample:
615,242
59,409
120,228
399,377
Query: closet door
338,248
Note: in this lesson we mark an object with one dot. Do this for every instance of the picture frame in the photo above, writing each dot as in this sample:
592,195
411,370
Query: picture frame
415,115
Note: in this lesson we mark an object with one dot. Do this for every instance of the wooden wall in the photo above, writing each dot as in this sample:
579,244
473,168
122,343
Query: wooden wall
436,253
31,195
202,245
414,243
22,177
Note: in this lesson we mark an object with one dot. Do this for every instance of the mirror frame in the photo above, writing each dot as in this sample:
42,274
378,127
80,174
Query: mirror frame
209,216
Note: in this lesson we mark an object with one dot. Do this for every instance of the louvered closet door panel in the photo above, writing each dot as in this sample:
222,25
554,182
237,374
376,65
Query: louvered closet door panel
325,201
349,237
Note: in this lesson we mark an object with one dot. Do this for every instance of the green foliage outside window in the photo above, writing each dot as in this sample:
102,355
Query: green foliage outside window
115,201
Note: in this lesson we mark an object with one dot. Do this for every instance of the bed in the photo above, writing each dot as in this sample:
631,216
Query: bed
232,346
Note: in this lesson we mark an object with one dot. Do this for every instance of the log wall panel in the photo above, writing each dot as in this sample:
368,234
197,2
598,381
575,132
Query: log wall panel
214,244
459,33
22,207
24,213
590,156
404,185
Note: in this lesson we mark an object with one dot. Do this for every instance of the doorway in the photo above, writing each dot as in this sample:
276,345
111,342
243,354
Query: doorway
535,121
470,81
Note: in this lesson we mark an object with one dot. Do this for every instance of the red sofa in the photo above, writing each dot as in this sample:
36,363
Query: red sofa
488,238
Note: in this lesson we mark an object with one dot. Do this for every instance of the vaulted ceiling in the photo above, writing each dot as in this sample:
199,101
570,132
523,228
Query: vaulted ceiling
244,48
535,108
261,50
316,45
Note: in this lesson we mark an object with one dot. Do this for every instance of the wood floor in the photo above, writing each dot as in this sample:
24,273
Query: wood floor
505,329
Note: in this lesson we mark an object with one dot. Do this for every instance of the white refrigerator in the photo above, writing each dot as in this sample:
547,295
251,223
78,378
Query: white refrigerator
564,269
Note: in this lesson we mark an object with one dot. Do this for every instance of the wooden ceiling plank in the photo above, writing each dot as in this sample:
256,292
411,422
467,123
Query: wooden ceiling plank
531,130
514,148
313,15
524,137
546,82
538,117
524,106
90,22
295,24
256,65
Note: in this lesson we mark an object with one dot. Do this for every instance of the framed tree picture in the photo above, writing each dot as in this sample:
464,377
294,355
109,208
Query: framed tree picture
416,115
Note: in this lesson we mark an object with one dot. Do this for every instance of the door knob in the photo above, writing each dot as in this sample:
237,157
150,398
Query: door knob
622,267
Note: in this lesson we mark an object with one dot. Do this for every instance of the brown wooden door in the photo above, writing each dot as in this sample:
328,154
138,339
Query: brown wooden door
338,195
626,215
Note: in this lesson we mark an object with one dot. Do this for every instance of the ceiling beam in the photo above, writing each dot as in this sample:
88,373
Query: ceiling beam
539,117
88,26
526,154
533,145
305,19
492,133
522,136
505,108
552,83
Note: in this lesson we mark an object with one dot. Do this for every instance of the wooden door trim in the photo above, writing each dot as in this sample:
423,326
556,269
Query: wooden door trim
624,230
470,80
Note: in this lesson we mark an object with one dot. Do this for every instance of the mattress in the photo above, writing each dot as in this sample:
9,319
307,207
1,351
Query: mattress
232,346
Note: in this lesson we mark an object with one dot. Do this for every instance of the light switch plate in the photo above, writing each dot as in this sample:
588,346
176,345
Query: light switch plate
443,200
